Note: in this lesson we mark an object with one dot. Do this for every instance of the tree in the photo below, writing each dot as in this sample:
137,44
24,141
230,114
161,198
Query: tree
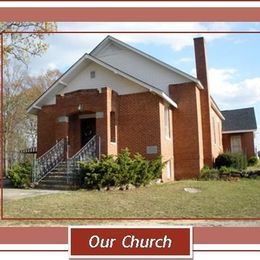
23,40
21,90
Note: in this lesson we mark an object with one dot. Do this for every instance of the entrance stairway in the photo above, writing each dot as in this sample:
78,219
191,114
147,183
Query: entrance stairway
54,170
57,179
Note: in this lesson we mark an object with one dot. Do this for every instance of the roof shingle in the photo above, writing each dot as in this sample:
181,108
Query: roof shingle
239,119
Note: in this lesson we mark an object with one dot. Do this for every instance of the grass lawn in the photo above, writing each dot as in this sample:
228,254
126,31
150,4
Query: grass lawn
217,199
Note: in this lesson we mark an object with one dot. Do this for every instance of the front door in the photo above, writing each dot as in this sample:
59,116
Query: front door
88,129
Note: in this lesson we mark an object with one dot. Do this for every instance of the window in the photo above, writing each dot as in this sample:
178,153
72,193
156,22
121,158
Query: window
168,170
214,130
92,74
112,127
167,120
236,146
219,133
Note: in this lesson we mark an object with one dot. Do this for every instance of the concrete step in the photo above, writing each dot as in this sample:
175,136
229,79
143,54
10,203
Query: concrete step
56,181
58,177
61,174
59,169
56,187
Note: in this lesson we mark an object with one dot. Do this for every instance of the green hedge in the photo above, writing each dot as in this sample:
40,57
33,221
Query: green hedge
120,171
20,174
253,161
231,160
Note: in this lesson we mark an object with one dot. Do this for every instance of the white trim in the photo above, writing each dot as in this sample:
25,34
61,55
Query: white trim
58,82
220,247
239,131
65,247
215,107
195,4
109,39
40,247
134,227
63,83
85,116
85,57
131,78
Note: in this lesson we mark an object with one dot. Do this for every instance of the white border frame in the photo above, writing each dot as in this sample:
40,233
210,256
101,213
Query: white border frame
126,227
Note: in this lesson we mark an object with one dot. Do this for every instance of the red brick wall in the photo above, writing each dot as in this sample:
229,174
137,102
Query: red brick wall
247,141
201,68
50,130
139,123
187,130
46,125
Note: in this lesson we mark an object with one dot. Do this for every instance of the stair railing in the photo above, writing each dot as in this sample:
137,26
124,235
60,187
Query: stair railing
90,151
45,163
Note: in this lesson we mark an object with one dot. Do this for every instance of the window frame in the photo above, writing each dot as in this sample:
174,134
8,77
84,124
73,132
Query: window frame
232,145
167,122
113,127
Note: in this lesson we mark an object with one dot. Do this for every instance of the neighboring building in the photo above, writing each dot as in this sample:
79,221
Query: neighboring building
130,99
239,131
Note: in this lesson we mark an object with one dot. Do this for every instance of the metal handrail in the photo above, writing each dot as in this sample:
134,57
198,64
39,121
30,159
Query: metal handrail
49,160
90,151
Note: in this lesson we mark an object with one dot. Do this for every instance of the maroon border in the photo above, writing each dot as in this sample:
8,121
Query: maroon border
137,32
145,14
201,235
130,1
101,219
1,127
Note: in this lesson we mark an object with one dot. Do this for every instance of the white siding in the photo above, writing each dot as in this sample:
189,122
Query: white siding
140,67
103,78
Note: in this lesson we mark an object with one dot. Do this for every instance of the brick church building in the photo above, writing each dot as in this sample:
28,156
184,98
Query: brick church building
127,98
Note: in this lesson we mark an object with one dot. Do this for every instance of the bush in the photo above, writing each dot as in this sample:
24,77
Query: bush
228,170
120,171
144,171
20,174
125,173
100,174
253,161
208,173
231,160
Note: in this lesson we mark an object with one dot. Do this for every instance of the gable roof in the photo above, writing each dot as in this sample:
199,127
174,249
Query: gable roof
239,120
60,83
109,39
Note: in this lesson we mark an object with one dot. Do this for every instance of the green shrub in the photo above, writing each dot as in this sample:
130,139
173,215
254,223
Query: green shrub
120,171
125,173
208,173
20,174
231,160
141,171
253,161
156,166
225,170
100,174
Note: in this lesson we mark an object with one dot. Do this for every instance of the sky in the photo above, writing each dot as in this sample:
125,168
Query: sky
233,58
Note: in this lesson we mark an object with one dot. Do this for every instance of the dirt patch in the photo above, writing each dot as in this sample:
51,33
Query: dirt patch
16,194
